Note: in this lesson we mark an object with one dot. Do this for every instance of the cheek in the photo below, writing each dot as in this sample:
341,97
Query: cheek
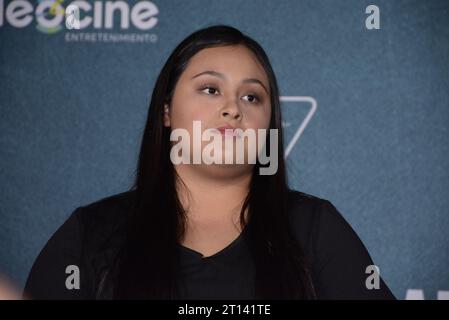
183,115
267,119
260,119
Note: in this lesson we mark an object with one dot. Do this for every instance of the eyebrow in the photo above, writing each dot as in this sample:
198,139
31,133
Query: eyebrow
222,76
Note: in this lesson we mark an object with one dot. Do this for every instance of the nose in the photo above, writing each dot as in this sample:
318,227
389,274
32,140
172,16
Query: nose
231,110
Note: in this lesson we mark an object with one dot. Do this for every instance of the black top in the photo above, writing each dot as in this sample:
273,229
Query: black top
92,235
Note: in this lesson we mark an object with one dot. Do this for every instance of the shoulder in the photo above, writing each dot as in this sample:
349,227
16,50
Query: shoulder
103,231
108,211
315,220
102,222
101,227
334,248
88,239
307,203
308,208
305,209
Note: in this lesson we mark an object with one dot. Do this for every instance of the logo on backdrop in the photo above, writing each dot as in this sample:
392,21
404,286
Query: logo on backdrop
85,21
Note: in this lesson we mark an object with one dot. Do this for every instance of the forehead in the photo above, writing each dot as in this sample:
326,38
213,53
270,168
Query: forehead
235,62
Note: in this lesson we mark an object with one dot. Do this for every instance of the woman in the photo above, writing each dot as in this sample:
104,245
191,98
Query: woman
207,231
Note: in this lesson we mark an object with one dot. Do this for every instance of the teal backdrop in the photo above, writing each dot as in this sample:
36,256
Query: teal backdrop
366,114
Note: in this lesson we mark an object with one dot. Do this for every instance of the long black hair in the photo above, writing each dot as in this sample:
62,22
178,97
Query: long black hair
149,256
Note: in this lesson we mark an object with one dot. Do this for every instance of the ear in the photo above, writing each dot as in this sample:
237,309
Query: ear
166,116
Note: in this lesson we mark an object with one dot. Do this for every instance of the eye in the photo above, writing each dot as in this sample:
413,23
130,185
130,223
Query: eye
210,89
253,98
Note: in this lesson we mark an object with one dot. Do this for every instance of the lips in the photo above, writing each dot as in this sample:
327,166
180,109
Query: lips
228,131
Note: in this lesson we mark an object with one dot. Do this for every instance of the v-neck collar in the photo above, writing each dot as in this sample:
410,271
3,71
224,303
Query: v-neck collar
222,252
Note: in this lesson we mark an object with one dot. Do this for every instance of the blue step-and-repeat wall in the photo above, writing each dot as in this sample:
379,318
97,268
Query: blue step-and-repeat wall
365,96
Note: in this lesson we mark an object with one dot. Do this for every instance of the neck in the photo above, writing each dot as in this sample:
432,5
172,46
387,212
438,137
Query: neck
212,198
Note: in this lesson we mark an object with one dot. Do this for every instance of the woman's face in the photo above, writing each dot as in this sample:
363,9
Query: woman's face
221,86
